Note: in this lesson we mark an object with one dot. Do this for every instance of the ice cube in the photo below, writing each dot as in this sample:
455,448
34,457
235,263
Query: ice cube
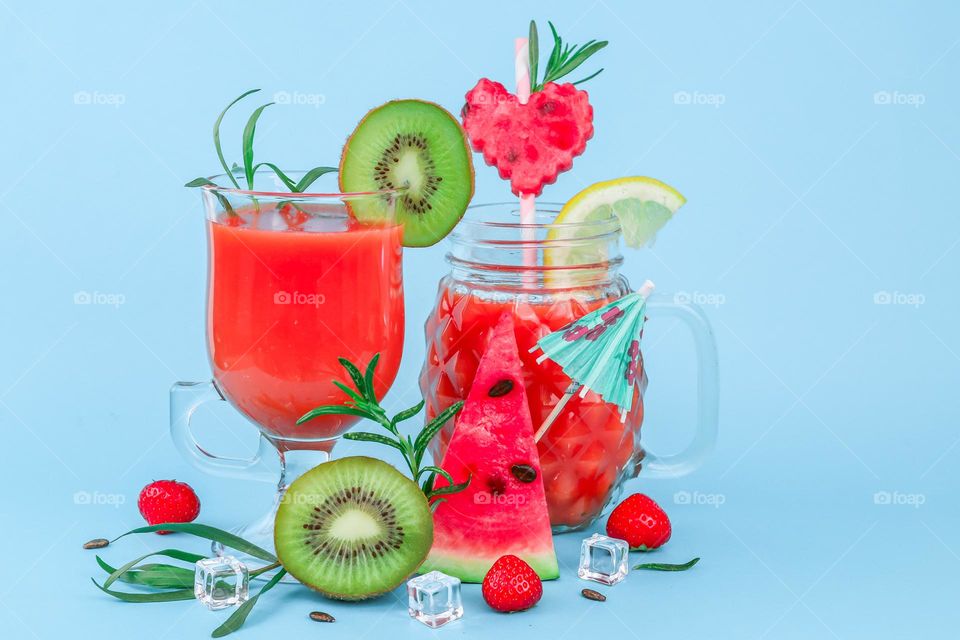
604,559
221,582
434,599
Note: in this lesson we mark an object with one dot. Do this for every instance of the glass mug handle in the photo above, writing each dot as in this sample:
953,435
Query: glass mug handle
185,399
705,436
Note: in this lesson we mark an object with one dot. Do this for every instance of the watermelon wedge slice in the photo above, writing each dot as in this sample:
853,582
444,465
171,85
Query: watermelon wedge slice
504,509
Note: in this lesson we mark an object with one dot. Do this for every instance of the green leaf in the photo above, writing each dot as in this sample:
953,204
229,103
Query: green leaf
436,503
450,488
225,204
284,178
200,182
354,372
373,437
557,47
368,376
333,410
161,576
406,414
576,59
207,532
533,43
311,176
216,136
249,132
589,77
425,436
434,471
428,484
170,553
356,397
660,566
164,596
239,616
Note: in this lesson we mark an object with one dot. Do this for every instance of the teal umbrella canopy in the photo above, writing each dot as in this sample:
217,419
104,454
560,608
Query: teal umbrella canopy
600,352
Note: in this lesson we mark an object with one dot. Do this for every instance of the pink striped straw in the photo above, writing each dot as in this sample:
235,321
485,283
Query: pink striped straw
528,205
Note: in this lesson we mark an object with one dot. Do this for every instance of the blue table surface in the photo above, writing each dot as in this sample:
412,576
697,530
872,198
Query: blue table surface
817,143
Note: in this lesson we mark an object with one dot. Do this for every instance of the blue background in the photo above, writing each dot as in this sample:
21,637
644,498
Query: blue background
829,508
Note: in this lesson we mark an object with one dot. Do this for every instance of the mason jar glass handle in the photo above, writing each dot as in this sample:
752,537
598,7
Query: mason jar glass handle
185,399
705,435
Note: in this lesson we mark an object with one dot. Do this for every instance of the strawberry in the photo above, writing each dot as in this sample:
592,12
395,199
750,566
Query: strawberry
168,501
641,522
511,585
528,143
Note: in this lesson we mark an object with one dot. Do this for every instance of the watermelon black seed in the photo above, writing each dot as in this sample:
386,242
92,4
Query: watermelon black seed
501,388
523,472
596,596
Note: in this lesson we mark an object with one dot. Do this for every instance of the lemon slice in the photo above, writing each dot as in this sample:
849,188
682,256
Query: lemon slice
642,205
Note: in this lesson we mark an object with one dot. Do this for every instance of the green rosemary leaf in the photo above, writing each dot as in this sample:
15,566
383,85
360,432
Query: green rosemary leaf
225,203
557,46
354,372
660,566
429,431
311,176
163,596
368,376
249,132
428,483
207,532
236,620
576,59
200,182
436,503
170,553
434,471
161,576
373,437
216,136
333,410
406,414
284,178
589,77
450,488
533,42
356,397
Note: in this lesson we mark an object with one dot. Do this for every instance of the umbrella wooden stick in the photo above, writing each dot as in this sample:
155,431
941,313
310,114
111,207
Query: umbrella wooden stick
572,389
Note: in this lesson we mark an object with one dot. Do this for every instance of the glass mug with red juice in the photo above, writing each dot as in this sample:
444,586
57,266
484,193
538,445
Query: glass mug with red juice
499,265
295,282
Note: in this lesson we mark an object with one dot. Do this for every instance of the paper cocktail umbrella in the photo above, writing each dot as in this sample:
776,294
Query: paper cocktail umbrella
600,352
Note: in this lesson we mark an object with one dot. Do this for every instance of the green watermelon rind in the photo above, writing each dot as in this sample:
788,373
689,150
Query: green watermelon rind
544,565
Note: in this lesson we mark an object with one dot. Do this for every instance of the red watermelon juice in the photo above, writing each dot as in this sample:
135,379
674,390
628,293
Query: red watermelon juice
288,295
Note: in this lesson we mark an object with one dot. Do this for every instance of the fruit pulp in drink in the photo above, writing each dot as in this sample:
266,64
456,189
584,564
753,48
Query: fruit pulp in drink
588,450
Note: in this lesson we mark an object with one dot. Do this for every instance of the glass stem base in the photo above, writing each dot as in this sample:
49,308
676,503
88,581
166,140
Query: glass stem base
293,464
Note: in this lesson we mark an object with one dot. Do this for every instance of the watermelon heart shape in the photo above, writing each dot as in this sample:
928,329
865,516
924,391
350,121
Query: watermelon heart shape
529,144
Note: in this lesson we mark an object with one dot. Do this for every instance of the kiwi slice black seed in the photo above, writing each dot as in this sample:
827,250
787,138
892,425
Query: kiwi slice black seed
418,147
353,528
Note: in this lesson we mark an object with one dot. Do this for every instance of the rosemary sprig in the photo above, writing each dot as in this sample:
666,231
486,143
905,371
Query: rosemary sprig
663,566
564,58
249,169
363,403
170,583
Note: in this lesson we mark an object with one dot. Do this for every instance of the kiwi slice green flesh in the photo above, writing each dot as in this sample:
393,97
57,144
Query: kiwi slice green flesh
353,528
418,147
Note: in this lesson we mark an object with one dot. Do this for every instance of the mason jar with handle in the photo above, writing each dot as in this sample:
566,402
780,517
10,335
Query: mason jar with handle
547,275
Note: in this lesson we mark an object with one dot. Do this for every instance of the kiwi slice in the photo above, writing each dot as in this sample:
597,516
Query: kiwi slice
421,148
353,528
